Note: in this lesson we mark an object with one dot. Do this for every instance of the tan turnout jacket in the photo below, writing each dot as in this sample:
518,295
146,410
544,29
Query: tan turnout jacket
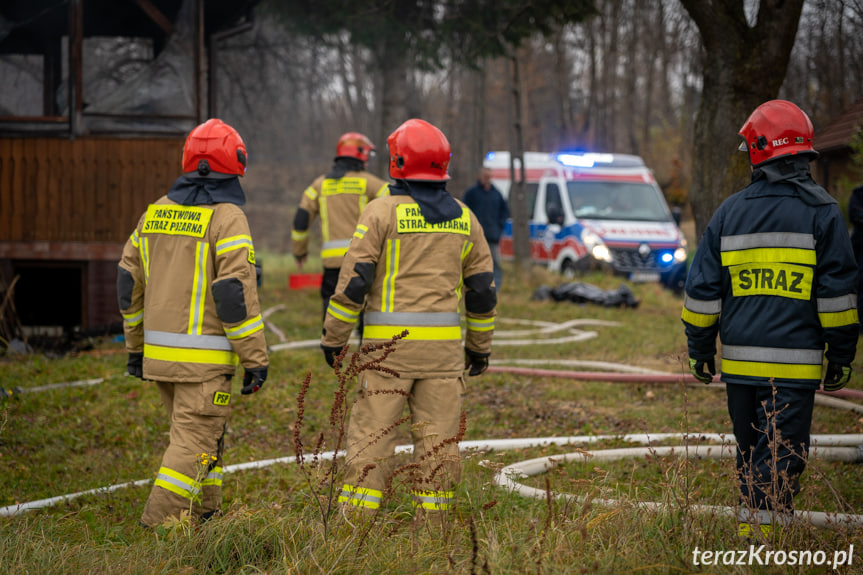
415,274
339,203
193,306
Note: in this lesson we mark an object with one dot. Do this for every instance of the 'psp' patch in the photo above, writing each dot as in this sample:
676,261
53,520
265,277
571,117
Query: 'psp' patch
221,398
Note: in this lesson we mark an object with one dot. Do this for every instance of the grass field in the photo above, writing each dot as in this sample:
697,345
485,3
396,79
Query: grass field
278,519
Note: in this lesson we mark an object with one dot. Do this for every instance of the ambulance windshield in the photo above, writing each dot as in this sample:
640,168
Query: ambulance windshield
617,201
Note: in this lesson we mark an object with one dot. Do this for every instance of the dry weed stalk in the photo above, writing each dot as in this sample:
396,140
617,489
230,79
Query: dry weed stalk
323,480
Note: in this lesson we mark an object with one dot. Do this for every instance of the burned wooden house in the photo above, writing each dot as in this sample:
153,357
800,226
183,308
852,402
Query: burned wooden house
98,98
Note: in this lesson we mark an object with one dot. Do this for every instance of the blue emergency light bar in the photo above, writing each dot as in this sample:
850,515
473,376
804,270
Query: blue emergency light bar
583,160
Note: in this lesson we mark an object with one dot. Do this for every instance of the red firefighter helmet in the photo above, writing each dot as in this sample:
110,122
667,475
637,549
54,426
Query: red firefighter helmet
214,146
776,128
419,151
355,145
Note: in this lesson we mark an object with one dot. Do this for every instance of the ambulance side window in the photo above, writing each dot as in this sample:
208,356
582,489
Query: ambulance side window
553,204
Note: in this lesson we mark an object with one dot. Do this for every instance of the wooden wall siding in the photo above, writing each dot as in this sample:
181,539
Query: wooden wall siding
82,190
102,308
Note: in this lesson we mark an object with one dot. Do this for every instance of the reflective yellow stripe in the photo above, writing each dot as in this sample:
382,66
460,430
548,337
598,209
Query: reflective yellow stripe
246,328
392,269
763,369
384,191
769,255
360,231
311,193
181,355
699,319
199,290
134,319
233,243
466,248
333,252
145,258
214,477
298,236
477,324
135,239
325,220
361,496
432,500
747,530
838,319
414,332
178,483
342,313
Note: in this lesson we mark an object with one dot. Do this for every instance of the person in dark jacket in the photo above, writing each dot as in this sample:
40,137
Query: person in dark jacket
855,214
774,275
492,211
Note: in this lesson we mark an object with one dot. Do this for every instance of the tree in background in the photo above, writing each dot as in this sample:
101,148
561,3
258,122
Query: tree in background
431,35
744,66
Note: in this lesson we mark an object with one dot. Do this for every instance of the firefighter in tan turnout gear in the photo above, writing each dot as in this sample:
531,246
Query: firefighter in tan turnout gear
339,197
187,291
414,255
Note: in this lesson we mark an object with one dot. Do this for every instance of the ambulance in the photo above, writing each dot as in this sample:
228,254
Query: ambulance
590,211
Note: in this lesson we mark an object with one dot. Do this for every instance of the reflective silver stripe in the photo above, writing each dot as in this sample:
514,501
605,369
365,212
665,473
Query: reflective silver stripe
242,330
834,304
233,243
190,488
134,319
411,318
188,341
772,354
214,477
705,306
333,244
368,497
767,240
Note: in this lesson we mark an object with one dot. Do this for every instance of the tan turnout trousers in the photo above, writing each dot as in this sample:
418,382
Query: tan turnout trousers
435,405
190,477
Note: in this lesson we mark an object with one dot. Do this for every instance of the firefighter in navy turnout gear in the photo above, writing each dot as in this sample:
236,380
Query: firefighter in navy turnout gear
774,275
187,291
414,256
339,197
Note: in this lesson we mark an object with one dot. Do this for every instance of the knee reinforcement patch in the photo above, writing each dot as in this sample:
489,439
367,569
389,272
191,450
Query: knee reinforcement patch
230,300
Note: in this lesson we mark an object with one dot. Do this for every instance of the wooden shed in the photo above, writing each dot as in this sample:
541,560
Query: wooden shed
75,175
834,168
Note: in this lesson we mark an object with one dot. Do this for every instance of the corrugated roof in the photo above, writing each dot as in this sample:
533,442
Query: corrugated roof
838,133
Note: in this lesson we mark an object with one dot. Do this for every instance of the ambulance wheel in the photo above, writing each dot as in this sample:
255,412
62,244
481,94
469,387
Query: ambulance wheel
569,269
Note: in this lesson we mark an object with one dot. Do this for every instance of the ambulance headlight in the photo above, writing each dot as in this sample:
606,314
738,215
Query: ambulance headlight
680,255
595,246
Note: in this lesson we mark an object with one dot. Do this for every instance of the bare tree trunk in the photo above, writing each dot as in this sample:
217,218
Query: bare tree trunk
517,193
735,83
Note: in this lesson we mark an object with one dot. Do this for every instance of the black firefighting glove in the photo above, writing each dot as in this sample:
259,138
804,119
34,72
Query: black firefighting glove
696,366
477,362
253,380
135,365
837,376
330,354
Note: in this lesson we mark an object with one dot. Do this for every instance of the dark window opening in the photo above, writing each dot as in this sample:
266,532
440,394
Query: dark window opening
49,297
